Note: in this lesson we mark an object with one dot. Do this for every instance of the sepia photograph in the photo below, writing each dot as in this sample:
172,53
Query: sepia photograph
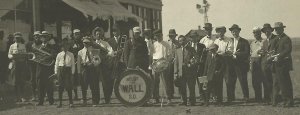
149,57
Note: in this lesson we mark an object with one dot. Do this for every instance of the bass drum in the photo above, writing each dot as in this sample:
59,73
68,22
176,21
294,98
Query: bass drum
134,87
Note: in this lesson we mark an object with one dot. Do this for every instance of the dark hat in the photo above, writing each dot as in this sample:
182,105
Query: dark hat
156,32
207,25
213,46
17,34
172,32
194,33
279,25
220,28
267,25
235,26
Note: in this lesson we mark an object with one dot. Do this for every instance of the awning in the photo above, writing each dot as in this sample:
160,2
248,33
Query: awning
8,5
153,4
103,9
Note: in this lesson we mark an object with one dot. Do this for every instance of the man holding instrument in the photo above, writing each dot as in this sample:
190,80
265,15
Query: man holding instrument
161,51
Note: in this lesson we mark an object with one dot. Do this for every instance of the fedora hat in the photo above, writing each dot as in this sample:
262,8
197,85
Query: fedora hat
220,28
279,25
172,32
235,26
207,25
267,26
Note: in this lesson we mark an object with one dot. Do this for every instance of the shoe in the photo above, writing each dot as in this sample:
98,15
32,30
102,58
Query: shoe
51,103
94,105
84,102
39,104
156,101
71,105
169,101
183,103
193,104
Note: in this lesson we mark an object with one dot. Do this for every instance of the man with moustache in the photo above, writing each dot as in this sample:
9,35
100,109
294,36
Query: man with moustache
283,65
240,64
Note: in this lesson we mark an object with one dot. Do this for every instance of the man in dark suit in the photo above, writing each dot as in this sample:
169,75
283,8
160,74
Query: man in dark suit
283,65
267,49
184,69
136,51
240,63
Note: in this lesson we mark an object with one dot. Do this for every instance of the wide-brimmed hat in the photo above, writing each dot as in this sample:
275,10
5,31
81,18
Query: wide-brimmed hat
279,25
157,32
213,46
267,26
235,26
172,32
220,28
136,29
208,25
17,34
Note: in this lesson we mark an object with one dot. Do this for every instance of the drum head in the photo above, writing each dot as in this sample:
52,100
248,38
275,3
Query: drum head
133,88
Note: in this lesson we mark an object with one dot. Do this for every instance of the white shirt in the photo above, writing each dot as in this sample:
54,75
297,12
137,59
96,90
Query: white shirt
255,47
105,45
161,50
235,43
16,48
207,41
65,59
224,44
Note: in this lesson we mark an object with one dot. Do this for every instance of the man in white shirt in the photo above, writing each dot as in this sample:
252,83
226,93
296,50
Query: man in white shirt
18,68
89,72
65,69
208,39
161,50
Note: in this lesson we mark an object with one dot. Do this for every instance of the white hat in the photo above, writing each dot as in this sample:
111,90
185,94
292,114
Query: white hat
136,29
45,32
256,29
76,30
37,33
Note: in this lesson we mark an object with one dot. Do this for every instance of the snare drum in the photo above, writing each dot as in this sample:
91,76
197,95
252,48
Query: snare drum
134,87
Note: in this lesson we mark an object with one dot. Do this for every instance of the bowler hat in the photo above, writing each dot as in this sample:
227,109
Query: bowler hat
172,32
279,25
266,26
235,26
220,28
207,25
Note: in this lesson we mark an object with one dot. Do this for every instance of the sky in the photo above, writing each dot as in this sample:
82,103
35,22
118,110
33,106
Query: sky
183,16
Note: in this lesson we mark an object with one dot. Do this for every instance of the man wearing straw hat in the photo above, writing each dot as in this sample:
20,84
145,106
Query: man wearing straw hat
283,66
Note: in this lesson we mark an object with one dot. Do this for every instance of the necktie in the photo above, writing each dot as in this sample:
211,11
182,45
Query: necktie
65,58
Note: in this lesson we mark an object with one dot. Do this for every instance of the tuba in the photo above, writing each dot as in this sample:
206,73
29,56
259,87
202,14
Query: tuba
41,57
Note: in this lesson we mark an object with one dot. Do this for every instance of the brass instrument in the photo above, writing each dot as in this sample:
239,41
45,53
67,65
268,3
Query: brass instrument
41,57
119,55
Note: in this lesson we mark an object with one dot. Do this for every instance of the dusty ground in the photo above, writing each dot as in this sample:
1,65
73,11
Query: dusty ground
118,109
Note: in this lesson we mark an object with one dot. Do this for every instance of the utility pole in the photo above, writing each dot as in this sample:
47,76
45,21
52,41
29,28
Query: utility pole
36,15
203,10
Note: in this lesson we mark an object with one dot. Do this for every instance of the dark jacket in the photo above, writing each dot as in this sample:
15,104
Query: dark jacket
284,49
243,54
136,54
213,66
113,43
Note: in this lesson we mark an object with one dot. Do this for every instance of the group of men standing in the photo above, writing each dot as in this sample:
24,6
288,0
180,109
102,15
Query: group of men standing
206,61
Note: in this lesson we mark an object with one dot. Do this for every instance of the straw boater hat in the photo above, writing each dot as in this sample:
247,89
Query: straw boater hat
37,33
235,26
267,26
279,25
45,33
136,29
18,35
86,39
76,31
